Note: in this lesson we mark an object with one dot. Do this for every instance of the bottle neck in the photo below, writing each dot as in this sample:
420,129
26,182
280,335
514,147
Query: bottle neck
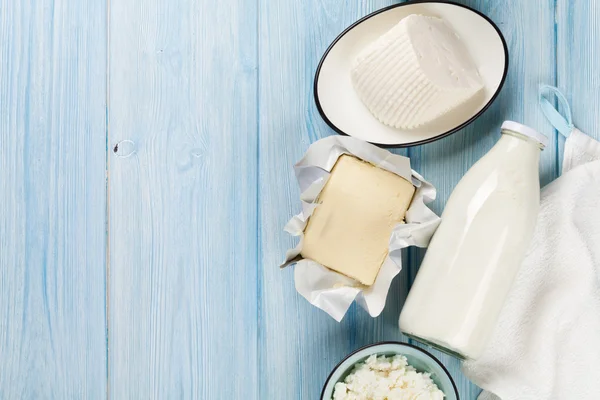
526,139
518,149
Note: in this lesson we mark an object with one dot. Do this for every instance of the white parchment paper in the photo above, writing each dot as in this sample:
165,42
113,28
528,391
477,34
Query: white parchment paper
329,290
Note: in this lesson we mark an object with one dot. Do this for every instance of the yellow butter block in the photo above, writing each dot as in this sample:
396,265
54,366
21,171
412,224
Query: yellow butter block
359,206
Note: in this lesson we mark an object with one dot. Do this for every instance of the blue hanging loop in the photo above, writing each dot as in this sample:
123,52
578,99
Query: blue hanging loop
562,123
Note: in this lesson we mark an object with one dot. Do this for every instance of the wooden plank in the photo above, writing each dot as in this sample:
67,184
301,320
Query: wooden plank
299,344
52,196
578,58
182,204
527,27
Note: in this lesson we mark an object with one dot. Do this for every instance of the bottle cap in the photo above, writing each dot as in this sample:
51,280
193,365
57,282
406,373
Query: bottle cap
526,131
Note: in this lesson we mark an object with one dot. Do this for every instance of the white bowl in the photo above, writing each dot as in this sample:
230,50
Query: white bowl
340,106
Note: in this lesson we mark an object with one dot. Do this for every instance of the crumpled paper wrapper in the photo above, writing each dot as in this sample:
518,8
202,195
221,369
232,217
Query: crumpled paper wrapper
329,290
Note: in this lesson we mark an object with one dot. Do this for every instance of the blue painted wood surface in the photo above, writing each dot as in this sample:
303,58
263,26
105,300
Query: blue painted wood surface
146,152
52,199
183,200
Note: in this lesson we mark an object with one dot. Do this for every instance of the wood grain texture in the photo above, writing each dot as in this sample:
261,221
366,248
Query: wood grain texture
578,62
299,344
182,203
52,196
210,104
527,27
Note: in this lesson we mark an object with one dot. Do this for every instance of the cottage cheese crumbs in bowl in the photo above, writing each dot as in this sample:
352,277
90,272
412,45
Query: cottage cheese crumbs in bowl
386,378
390,371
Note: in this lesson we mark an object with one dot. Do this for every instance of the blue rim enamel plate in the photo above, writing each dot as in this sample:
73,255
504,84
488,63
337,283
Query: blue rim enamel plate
417,357
343,111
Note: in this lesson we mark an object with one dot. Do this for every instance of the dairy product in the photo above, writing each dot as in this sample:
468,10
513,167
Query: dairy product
474,255
359,206
416,72
390,378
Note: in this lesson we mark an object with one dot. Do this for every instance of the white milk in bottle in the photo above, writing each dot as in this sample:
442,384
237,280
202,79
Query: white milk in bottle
477,250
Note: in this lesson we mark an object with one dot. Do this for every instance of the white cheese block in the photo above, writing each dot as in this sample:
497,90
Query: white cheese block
359,206
415,73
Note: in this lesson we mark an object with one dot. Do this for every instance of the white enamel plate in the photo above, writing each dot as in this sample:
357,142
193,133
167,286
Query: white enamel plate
341,108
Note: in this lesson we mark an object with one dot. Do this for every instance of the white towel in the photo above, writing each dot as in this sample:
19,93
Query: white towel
547,341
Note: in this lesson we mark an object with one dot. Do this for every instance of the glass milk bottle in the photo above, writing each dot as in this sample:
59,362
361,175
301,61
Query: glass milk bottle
477,250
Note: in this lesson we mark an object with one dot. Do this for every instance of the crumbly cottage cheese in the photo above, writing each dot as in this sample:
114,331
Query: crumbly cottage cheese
386,378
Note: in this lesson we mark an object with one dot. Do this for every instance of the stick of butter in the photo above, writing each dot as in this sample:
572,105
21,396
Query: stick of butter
359,206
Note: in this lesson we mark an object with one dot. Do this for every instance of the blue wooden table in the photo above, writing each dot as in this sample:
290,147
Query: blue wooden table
146,152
